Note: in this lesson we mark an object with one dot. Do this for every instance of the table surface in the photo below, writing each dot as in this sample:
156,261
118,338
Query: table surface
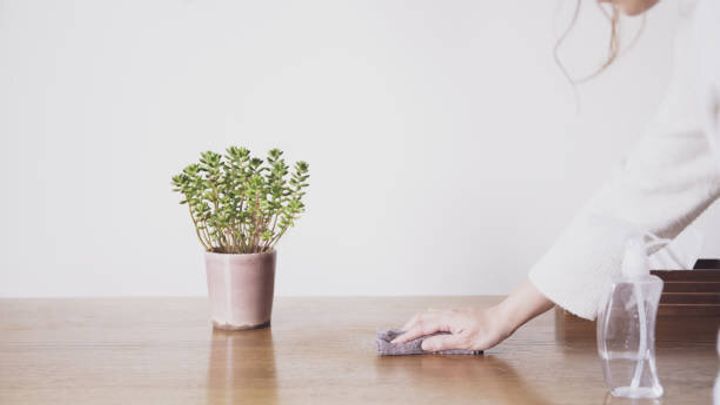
319,350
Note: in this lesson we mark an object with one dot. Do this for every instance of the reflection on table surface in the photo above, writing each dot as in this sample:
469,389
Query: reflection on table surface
319,350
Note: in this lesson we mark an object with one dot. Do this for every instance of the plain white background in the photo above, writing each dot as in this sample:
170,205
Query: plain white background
446,148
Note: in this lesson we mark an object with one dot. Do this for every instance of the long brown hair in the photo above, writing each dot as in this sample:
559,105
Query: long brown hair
613,17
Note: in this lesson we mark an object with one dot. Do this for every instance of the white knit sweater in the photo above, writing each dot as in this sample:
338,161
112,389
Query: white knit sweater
671,176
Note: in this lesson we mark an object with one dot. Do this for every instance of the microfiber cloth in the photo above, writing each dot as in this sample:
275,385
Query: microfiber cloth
386,348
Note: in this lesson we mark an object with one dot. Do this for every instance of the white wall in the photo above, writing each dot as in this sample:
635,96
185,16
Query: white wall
445,150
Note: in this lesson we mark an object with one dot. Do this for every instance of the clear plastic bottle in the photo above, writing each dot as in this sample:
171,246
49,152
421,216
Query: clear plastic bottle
626,327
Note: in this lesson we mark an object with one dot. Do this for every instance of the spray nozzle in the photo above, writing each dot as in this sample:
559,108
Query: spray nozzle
635,261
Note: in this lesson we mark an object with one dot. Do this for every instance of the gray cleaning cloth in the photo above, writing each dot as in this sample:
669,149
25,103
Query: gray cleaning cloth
385,348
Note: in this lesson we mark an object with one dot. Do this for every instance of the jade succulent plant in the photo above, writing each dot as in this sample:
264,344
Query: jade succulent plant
240,203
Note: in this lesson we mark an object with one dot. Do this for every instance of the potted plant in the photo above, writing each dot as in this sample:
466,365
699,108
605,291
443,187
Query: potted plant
241,206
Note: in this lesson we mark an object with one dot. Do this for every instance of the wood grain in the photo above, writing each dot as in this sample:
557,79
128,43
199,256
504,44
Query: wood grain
688,275
318,351
691,298
679,286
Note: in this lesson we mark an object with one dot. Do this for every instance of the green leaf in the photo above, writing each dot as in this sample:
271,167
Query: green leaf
236,194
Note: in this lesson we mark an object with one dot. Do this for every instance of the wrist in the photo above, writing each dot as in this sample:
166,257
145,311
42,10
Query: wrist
522,305
506,318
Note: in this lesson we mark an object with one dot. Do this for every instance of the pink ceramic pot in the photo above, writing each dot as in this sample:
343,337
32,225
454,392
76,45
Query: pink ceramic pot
240,287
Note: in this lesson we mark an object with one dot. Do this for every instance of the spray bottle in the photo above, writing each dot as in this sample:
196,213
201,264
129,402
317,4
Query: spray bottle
626,325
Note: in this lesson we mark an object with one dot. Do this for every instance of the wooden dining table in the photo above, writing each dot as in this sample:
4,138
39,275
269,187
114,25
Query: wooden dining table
319,350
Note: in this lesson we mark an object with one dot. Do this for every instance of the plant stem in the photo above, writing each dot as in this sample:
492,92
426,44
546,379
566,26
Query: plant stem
277,237
197,230
256,224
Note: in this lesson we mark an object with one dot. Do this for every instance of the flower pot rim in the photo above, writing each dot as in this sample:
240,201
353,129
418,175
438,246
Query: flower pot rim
269,252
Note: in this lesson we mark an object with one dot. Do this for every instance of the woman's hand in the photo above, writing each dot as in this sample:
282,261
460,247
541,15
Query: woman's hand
476,329
472,329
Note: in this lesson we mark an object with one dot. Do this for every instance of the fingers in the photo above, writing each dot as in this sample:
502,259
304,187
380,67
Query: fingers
444,342
421,325
409,324
423,315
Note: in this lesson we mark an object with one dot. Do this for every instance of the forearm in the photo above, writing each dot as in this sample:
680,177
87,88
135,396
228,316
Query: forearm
523,304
